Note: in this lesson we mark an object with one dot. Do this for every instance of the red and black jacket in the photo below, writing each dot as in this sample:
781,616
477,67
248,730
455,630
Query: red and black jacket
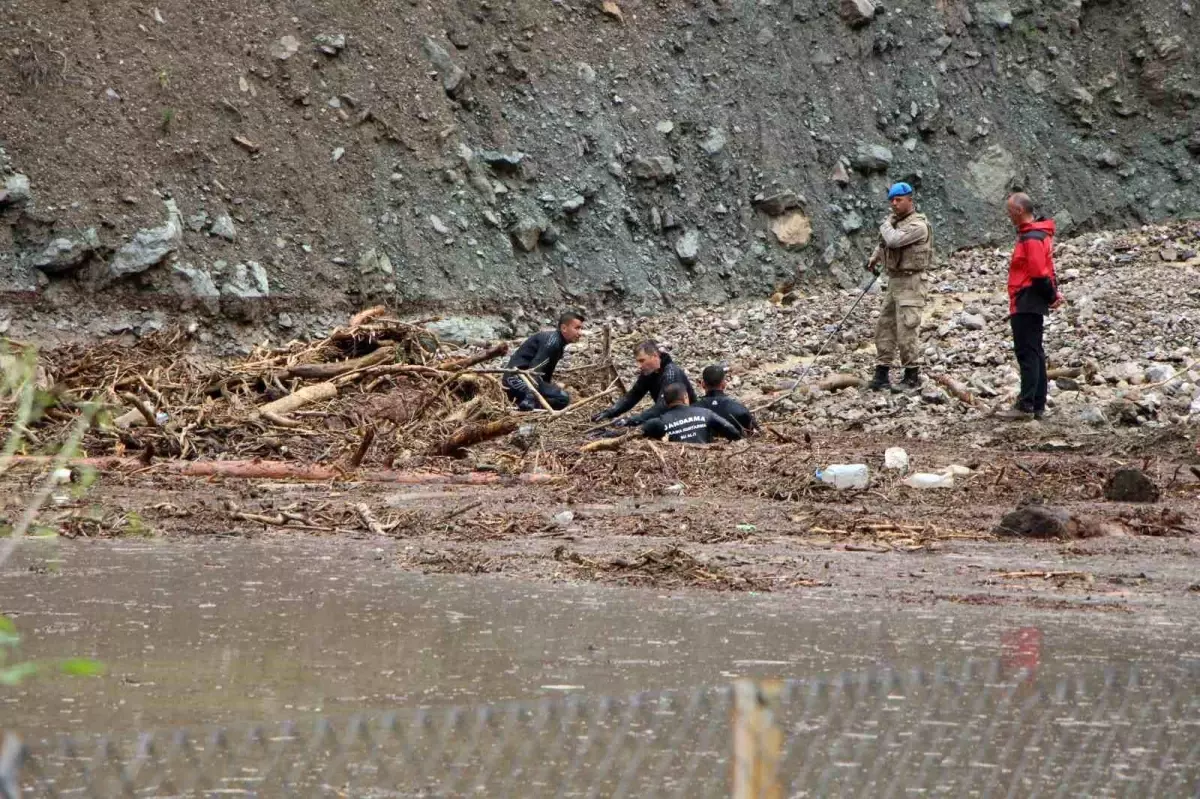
1032,285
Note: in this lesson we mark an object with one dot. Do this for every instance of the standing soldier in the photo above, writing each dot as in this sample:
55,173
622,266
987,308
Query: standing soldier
905,252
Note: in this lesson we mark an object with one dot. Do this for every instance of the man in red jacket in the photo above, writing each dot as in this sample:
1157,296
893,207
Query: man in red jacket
1032,293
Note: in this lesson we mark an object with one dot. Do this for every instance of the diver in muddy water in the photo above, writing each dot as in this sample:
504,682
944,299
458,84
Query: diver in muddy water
681,423
716,400
656,371
540,354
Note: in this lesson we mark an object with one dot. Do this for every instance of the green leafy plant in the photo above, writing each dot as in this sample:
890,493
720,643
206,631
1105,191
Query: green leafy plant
168,116
14,672
22,404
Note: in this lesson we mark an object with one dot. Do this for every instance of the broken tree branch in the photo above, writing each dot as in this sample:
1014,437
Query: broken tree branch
957,389
324,371
459,364
609,444
299,398
472,434
281,470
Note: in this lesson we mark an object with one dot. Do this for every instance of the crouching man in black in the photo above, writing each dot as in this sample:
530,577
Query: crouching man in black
684,424
656,372
540,354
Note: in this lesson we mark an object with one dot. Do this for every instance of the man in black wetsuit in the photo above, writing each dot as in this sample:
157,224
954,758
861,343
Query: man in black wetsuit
540,353
657,371
683,424
717,401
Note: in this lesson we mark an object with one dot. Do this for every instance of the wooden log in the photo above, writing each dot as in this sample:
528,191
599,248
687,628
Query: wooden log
459,364
280,470
757,740
299,398
609,444
142,410
362,317
324,371
1070,373
472,434
840,381
957,389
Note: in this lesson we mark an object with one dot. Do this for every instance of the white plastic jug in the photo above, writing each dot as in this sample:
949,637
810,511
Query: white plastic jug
845,475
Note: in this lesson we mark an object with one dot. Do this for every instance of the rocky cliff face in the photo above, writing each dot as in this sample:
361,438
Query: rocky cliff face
289,159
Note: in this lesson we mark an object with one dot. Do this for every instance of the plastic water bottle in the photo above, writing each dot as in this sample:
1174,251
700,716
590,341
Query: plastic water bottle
927,480
845,475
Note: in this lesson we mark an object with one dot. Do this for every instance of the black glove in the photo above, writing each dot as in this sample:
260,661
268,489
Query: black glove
599,417
625,422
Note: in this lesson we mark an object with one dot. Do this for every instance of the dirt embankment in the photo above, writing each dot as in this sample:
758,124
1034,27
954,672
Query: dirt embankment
521,154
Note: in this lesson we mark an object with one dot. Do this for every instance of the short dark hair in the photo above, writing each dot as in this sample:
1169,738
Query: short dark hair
566,317
713,375
675,394
647,347
1023,201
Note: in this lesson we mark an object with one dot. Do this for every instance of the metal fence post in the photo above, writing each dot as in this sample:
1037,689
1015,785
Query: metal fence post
757,740
12,752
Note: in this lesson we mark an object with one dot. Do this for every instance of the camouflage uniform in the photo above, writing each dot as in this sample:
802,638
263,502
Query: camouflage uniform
905,261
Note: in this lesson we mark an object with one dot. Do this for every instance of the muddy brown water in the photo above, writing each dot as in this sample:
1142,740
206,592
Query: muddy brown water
221,632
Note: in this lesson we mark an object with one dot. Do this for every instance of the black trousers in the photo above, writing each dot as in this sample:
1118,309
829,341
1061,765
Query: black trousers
518,391
1027,330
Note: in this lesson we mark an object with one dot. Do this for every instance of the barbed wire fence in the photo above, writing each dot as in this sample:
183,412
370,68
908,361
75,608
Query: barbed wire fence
972,731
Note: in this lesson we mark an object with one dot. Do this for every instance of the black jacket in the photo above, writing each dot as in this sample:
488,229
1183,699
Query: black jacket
654,385
729,409
540,353
685,424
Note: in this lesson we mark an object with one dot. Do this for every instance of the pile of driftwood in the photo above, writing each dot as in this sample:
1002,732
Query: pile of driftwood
379,392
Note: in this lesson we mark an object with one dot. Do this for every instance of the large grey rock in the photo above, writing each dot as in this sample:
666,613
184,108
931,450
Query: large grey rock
66,254
246,281
658,169
468,329
223,226
195,286
376,274
502,161
973,321
16,190
454,77
996,12
148,247
856,13
778,203
688,247
527,231
852,222
285,47
1159,373
715,142
330,43
871,158
991,173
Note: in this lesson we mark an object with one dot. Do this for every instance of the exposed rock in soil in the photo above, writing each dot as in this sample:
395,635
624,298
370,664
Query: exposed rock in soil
1131,485
1039,521
148,247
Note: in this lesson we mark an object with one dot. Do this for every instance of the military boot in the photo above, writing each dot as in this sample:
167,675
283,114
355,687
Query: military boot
880,382
911,381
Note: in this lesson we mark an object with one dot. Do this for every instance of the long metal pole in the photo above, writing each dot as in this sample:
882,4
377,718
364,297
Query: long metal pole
821,349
